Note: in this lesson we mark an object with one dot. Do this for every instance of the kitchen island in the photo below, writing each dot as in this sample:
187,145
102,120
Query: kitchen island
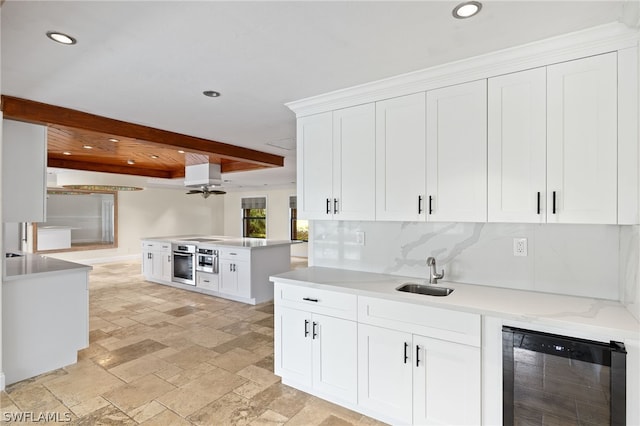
45,315
228,267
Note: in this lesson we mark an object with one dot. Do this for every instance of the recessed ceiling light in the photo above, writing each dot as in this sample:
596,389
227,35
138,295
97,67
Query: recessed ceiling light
154,156
131,162
87,146
66,153
181,151
211,93
61,37
114,140
466,9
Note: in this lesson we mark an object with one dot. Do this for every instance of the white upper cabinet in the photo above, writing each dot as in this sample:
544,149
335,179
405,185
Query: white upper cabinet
336,164
315,156
400,158
582,140
517,108
354,163
24,172
457,153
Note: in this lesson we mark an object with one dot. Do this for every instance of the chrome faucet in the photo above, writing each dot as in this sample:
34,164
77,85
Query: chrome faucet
433,275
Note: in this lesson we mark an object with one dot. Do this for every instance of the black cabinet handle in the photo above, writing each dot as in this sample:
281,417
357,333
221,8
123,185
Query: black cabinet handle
308,299
328,206
554,203
538,202
419,204
417,356
430,204
406,356
335,206
314,334
306,328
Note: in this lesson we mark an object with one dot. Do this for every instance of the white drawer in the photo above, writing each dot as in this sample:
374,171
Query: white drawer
207,281
156,246
335,304
445,324
234,253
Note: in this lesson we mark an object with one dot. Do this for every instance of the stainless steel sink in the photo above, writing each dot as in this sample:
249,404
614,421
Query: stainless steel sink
429,290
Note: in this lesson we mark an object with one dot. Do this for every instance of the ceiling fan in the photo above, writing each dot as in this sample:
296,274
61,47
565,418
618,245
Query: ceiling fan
205,191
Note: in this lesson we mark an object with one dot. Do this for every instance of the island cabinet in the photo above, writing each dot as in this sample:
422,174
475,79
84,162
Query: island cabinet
156,261
316,341
417,364
235,272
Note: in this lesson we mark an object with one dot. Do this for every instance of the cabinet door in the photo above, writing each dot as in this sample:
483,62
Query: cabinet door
400,158
147,264
228,277
243,278
385,372
517,160
446,386
457,153
354,163
582,140
24,171
335,357
158,260
293,345
314,157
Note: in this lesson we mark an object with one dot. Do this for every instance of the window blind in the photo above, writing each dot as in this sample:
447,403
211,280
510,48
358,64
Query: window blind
293,202
254,203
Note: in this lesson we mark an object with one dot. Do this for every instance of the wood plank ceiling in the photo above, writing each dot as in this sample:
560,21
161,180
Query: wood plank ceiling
82,141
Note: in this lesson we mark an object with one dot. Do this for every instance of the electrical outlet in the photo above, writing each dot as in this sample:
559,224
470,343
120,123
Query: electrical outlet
519,246
360,238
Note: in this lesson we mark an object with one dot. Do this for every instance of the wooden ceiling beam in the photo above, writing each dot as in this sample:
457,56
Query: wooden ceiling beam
107,168
40,113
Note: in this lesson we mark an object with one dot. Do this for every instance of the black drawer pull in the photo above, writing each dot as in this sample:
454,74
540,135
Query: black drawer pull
538,202
308,299
406,356
419,204
554,203
430,204
313,330
328,206
417,356
306,328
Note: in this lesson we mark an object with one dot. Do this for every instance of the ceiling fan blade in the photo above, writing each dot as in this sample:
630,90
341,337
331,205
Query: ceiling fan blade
194,191
217,192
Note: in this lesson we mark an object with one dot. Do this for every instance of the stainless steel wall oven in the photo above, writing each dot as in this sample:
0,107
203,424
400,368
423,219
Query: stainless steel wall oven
552,379
207,260
184,264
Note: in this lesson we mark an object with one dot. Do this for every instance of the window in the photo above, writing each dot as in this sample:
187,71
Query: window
254,217
299,227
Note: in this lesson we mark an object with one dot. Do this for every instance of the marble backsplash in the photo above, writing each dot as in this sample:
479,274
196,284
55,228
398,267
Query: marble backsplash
584,260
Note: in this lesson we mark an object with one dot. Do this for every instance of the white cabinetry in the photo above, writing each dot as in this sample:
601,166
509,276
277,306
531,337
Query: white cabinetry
336,151
456,153
235,273
517,107
553,143
400,158
24,172
316,341
582,140
156,261
418,364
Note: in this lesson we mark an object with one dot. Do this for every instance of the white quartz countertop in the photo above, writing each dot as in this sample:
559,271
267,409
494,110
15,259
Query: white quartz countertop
33,265
577,313
220,240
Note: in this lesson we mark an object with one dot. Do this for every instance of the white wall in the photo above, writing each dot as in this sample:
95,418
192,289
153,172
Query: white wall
152,212
584,260
277,214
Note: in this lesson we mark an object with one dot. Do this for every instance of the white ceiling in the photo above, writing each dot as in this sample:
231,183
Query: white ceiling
149,62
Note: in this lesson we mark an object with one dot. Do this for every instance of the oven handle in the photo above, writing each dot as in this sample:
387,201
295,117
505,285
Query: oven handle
216,264
176,253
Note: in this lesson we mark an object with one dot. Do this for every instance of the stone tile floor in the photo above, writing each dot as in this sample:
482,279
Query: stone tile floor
165,356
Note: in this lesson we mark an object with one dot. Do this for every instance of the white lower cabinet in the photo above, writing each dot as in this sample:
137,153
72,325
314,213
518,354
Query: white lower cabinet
318,351
413,379
235,278
314,351
401,363
156,261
